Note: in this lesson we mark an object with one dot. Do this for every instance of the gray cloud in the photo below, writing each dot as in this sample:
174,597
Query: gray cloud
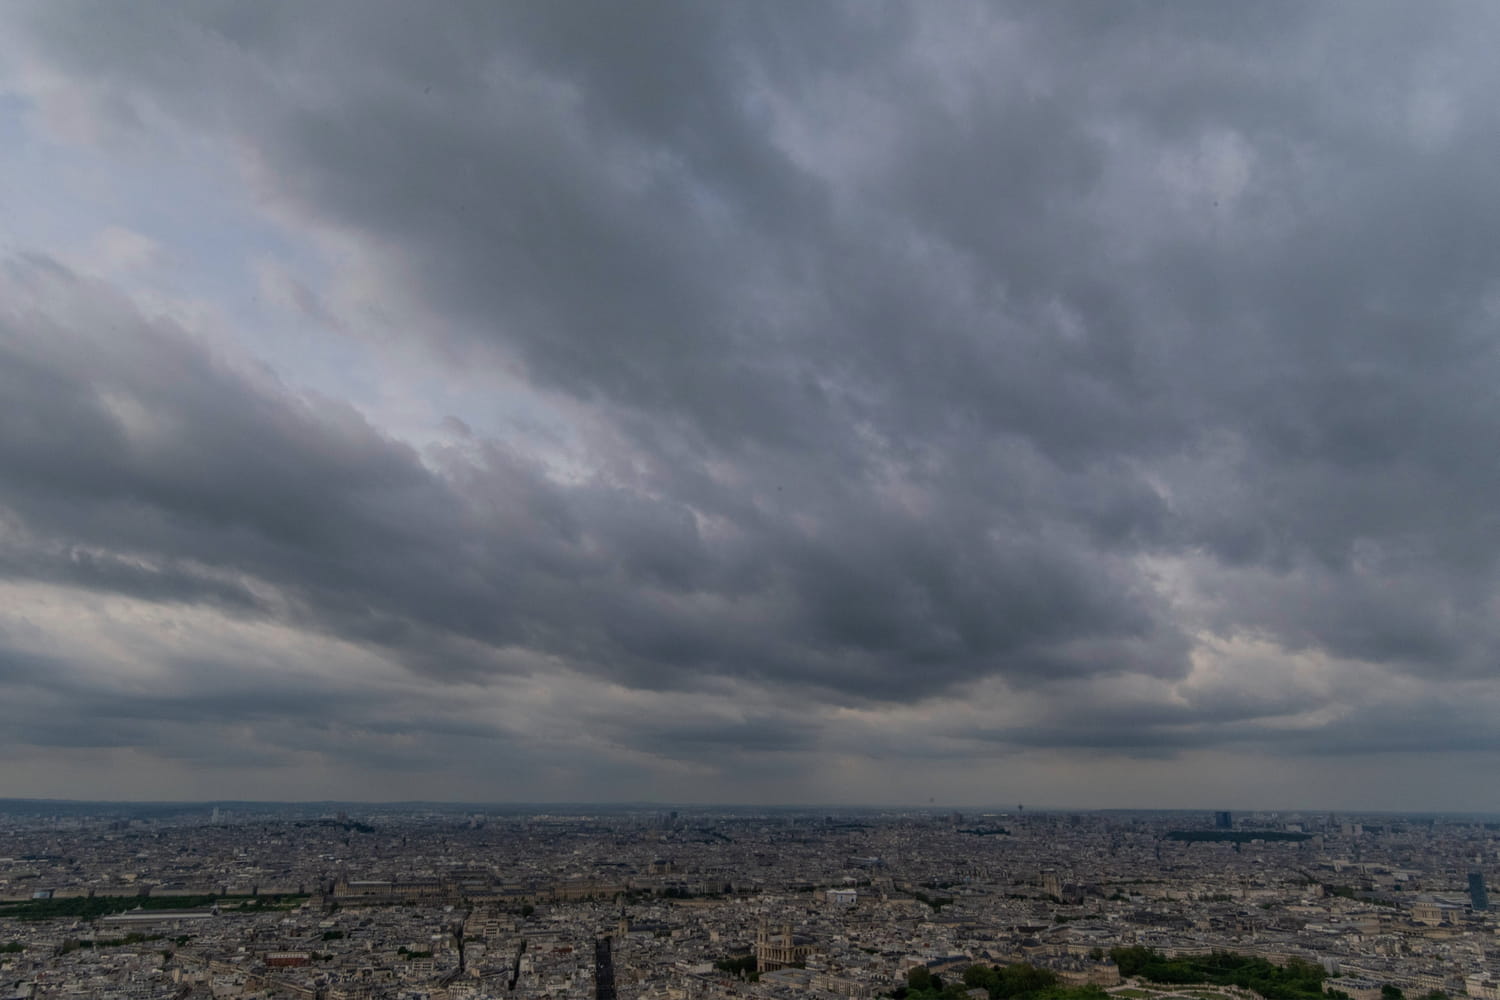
908,353
203,484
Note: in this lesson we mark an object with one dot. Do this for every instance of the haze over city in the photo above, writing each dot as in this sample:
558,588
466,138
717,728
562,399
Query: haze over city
966,404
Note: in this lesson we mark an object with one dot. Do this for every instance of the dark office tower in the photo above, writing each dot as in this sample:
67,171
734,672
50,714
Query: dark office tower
1223,821
1478,898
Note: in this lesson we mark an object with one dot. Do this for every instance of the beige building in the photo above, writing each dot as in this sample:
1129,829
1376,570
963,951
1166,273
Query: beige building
779,950
1485,986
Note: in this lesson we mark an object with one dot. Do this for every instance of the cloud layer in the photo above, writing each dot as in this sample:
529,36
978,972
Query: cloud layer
840,402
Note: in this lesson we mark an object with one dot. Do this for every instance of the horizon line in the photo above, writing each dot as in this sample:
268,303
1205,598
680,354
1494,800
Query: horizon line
653,804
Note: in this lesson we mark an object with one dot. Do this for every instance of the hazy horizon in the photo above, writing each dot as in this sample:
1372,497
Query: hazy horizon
968,810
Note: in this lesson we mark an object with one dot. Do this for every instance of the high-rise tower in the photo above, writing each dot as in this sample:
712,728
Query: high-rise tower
1478,898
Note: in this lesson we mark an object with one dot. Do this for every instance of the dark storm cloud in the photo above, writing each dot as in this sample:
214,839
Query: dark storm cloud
1415,725
915,357
694,739
193,481
109,572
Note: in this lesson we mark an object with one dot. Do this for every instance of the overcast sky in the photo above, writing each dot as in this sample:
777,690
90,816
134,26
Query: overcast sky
1086,404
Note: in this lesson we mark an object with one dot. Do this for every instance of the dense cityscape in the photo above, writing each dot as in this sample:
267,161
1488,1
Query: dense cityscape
357,901
445,448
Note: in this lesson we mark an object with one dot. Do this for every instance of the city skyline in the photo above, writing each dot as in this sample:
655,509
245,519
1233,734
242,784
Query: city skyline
883,404
435,904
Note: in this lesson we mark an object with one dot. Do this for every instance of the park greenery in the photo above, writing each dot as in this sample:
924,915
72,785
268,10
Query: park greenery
936,902
92,907
739,966
119,942
1349,892
1234,836
679,892
1008,982
74,944
1296,980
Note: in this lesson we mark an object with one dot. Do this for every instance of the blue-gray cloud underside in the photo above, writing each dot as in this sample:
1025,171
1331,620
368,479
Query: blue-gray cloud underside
1044,351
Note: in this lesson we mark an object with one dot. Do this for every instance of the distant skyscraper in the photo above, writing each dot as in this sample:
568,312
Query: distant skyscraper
1478,898
1223,821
